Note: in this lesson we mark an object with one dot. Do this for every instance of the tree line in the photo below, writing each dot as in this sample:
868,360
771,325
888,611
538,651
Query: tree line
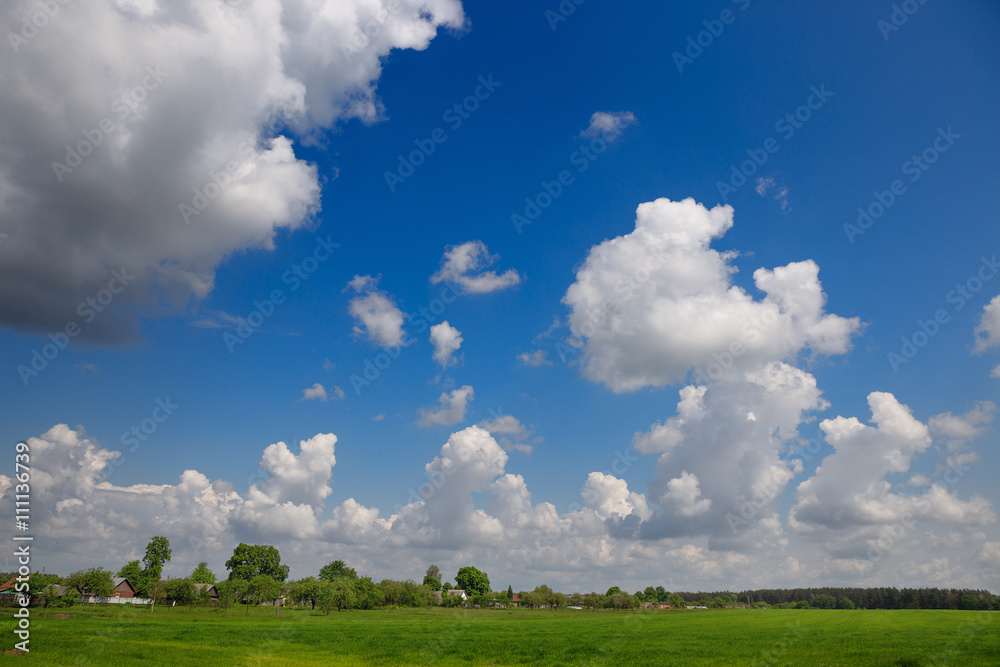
257,576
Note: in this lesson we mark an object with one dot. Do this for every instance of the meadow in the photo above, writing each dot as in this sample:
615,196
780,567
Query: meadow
183,636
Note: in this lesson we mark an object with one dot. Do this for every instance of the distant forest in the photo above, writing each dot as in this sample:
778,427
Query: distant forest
867,598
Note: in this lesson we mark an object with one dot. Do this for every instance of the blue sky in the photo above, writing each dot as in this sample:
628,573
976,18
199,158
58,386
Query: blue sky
879,97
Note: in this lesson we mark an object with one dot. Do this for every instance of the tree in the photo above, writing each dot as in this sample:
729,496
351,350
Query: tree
823,602
262,588
472,580
337,570
510,593
367,595
180,590
93,581
446,586
305,590
250,560
434,572
133,572
231,592
432,583
157,553
676,601
845,603
202,575
613,590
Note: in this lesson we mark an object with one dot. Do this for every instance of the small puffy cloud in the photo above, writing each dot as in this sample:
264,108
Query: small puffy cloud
654,304
608,495
317,392
379,417
329,366
446,340
450,410
988,331
512,433
466,264
536,358
608,125
380,320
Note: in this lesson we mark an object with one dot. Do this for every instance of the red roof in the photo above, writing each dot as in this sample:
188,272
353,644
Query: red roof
516,599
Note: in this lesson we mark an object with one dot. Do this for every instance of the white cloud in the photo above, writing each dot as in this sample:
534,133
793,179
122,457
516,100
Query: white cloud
451,408
536,358
988,330
781,192
317,392
380,319
446,340
608,125
512,433
650,306
466,266
589,546
187,95
850,488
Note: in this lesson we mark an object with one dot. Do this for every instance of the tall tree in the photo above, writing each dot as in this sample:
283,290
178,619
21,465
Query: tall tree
434,572
249,560
510,593
337,570
157,553
472,580
202,575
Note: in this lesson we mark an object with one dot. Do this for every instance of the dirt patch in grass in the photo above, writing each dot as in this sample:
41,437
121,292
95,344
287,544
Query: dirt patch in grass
61,617
14,651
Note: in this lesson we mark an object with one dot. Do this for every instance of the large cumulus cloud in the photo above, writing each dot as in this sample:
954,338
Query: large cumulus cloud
187,112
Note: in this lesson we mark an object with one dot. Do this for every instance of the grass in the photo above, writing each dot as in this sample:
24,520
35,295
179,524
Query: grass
122,636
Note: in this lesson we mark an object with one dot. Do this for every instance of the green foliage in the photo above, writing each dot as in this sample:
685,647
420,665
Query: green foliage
845,603
249,560
613,590
447,586
203,575
231,592
157,553
262,589
432,583
823,602
71,597
405,594
304,591
433,572
93,581
180,590
337,570
472,580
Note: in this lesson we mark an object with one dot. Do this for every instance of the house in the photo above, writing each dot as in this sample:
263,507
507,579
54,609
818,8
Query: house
516,600
123,588
458,592
213,592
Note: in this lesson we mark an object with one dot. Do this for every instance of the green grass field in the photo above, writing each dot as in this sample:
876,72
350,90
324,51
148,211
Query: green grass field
115,636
